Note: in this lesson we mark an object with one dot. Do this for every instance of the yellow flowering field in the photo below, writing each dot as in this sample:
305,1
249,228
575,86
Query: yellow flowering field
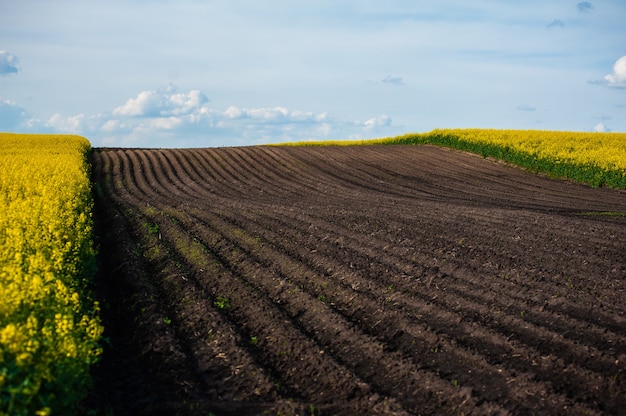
598,159
595,158
49,324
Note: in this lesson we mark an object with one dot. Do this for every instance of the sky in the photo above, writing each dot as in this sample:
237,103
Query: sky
209,73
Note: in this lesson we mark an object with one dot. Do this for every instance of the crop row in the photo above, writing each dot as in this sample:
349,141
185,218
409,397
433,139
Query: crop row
49,323
598,159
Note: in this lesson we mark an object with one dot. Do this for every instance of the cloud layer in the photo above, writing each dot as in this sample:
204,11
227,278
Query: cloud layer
166,117
9,64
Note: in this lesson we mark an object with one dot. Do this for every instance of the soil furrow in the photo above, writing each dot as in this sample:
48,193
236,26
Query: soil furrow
252,309
456,364
371,280
515,290
257,174
522,310
227,287
151,356
194,181
373,364
475,312
410,274
172,318
440,320
213,340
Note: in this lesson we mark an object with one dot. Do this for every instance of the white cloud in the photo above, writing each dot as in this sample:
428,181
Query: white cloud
145,104
167,118
377,122
601,128
9,64
162,102
526,107
78,124
617,79
234,112
276,114
324,129
73,123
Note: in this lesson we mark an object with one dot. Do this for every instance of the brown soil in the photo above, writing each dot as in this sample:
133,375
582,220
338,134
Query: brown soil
355,280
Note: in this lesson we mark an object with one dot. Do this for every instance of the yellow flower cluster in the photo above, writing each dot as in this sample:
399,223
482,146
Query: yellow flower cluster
49,325
605,150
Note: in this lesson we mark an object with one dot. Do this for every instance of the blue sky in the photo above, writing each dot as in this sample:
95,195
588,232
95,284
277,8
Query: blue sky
195,73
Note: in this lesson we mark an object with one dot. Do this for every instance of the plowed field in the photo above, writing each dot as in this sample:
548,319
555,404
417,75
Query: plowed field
356,280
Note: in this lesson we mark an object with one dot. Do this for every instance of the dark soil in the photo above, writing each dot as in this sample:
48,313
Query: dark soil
355,280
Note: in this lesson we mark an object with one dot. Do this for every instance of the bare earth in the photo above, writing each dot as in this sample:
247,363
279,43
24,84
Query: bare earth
355,280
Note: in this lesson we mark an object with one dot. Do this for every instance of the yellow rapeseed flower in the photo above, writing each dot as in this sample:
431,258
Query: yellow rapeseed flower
49,325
